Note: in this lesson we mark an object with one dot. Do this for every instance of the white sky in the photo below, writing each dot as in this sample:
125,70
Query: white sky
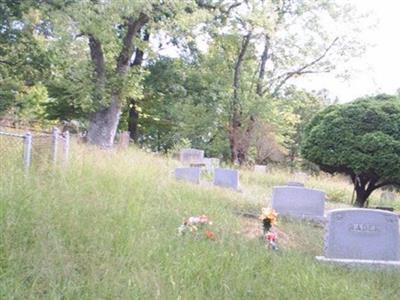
378,70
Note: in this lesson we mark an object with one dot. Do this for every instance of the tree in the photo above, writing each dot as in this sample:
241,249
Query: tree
23,59
112,33
270,44
360,139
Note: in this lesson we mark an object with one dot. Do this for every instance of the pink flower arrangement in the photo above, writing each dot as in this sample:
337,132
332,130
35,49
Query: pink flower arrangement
196,223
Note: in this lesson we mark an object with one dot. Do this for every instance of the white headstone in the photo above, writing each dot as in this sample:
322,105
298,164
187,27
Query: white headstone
189,156
260,168
298,202
188,174
226,178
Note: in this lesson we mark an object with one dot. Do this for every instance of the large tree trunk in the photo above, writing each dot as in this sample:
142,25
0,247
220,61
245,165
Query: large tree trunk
361,199
364,186
104,124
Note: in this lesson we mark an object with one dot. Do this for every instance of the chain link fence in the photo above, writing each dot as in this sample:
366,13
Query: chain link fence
27,150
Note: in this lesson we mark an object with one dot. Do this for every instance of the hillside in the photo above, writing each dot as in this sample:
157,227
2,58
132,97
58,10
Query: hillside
106,228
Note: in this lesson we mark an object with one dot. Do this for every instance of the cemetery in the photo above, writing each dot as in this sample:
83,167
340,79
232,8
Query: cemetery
206,149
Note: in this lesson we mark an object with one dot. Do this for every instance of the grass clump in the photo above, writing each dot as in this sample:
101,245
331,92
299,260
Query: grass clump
106,228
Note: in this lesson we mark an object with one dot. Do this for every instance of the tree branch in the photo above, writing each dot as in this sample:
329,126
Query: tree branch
264,58
133,27
97,56
301,70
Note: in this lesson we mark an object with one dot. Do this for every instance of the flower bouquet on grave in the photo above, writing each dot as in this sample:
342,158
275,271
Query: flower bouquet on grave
269,217
197,226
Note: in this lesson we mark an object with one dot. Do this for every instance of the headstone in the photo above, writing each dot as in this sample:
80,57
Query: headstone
260,168
188,174
124,138
226,178
298,202
211,164
360,235
191,156
295,183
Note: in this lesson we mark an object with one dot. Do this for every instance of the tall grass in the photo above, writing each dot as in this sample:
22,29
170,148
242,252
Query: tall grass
106,228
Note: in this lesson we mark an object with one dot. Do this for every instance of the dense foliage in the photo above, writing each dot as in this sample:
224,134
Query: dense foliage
216,75
360,139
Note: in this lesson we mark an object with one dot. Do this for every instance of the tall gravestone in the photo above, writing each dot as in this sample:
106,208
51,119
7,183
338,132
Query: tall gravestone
228,178
188,174
362,236
300,202
191,156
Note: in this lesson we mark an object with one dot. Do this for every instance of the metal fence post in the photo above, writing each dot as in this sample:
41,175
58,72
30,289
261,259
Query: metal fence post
27,151
54,144
66,146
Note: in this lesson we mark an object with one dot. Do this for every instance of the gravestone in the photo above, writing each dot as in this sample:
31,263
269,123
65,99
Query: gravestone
295,183
226,178
124,138
191,156
210,164
362,236
188,174
299,202
260,168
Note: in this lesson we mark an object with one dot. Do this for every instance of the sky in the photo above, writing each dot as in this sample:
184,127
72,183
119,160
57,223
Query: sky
378,70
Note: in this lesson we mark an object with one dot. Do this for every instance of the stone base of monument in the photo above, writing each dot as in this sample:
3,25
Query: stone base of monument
361,262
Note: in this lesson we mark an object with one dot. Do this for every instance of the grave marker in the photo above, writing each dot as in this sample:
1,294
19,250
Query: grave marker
226,178
188,174
362,236
298,202
260,168
211,164
191,156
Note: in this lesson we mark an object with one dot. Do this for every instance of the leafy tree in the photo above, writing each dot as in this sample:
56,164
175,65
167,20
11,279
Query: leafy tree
294,39
24,61
360,139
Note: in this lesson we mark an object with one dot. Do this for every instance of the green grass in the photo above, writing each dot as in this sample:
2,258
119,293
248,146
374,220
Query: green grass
106,228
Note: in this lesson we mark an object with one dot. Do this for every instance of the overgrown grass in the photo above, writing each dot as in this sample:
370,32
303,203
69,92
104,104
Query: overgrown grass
106,228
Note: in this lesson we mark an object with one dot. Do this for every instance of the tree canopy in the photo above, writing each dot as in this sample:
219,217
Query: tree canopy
215,74
360,139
